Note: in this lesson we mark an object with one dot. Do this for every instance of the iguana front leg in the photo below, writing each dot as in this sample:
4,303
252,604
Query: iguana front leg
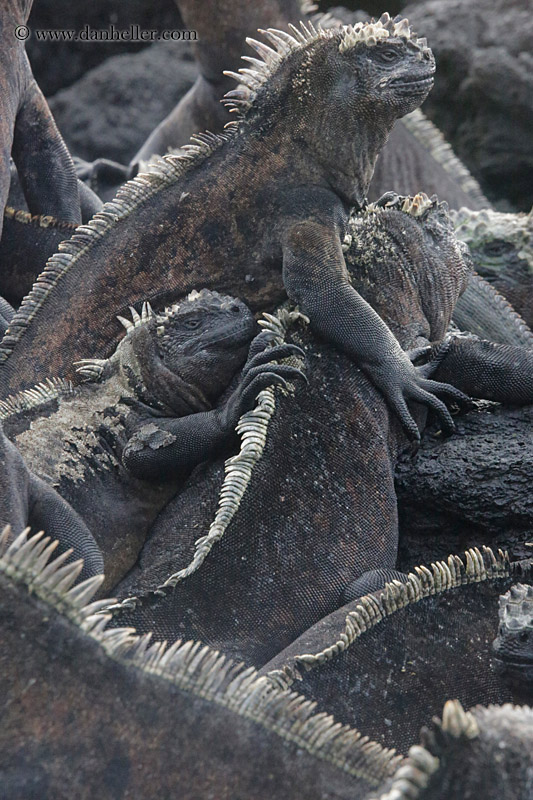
315,277
159,448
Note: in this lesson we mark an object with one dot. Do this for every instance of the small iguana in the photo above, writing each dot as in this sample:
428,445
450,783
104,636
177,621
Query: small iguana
116,446
324,471
259,211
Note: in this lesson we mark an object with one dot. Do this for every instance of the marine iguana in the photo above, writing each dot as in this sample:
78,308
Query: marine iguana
117,446
325,468
28,131
513,646
248,212
26,500
27,241
502,250
415,156
212,727
390,659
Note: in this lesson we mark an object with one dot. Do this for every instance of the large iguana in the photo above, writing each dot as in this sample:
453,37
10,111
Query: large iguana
260,210
28,131
415,157
321,468
137,717
117,446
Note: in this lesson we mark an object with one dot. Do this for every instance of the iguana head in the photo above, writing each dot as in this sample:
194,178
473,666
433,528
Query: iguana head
513,646
202,341
405,259
501,244
333,95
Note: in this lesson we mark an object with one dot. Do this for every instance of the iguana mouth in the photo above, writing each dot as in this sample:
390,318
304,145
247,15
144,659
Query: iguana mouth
407,86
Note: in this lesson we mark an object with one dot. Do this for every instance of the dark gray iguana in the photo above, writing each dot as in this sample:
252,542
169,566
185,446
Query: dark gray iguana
415,156
183,720
117,446
316,507
257,211
483,752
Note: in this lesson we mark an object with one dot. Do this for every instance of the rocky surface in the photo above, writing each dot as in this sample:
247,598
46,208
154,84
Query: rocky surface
111,110
483,94
470,489
58,64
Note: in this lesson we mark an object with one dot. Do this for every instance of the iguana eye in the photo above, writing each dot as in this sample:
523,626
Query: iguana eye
388,55
190,324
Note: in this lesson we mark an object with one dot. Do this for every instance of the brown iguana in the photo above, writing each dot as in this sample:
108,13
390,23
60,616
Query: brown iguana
183,720
257,211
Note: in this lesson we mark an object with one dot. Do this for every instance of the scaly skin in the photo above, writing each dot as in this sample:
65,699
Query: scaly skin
190,725
327,469
483,752
146,417
28,131
389,660
416,155
253,213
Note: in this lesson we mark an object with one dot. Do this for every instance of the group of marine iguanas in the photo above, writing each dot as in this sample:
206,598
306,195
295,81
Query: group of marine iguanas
232,486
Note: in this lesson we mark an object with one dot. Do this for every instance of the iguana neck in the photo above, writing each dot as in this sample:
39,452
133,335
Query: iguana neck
344,167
